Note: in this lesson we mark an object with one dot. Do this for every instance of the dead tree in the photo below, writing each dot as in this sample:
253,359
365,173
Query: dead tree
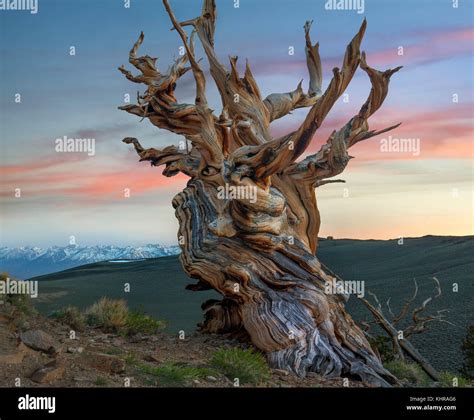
258,249
418,325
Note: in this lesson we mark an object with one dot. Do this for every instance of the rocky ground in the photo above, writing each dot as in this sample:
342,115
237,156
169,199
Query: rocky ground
42,353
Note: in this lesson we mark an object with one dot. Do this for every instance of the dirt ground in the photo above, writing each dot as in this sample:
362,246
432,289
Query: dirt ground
93,358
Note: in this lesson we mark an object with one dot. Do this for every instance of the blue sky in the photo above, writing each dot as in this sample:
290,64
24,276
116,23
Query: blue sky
62,95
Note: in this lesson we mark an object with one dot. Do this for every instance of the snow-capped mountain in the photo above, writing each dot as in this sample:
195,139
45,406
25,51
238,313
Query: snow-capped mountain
28,261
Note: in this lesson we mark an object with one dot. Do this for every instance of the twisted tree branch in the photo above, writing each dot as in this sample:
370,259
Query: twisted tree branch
281,104
333,157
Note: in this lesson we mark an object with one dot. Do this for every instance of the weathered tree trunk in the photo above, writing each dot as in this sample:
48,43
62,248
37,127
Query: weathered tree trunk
248,217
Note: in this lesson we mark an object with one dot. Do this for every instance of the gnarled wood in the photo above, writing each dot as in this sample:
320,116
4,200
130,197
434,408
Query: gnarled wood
248,217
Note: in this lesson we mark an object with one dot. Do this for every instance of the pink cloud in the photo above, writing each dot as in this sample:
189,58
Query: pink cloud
97,185
430,47
41,163
444,133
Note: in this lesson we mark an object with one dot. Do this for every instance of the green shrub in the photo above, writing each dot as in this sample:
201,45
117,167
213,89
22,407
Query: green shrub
113,315
108,314
114,351
130,359
22,303
138,322
410,372
175,374
246,365
100,381
19,307
71,316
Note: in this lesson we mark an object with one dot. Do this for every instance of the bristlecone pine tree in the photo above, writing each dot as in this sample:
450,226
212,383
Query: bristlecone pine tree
259,251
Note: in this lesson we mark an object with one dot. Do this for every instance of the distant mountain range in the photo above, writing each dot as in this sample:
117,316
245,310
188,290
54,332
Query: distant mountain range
28,261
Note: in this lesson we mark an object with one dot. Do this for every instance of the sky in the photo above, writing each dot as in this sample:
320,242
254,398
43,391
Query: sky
46,93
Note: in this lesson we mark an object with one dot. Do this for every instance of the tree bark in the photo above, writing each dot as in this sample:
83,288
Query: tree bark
248,217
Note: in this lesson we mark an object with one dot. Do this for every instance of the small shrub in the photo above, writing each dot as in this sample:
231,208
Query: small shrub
175,374
22,303
246,365
130,359
410,372
21,310
108,314
100,381
19,307
71,316
114,351
113,315
138,322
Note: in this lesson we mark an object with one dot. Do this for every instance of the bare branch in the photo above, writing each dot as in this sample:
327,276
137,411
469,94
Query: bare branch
158,102
197,71
281,104
205,28
208,142
280,153
419,324
241,96
313,62
332,158
400,344
174,159
389,307
146,64
379,305
406,306
320,183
